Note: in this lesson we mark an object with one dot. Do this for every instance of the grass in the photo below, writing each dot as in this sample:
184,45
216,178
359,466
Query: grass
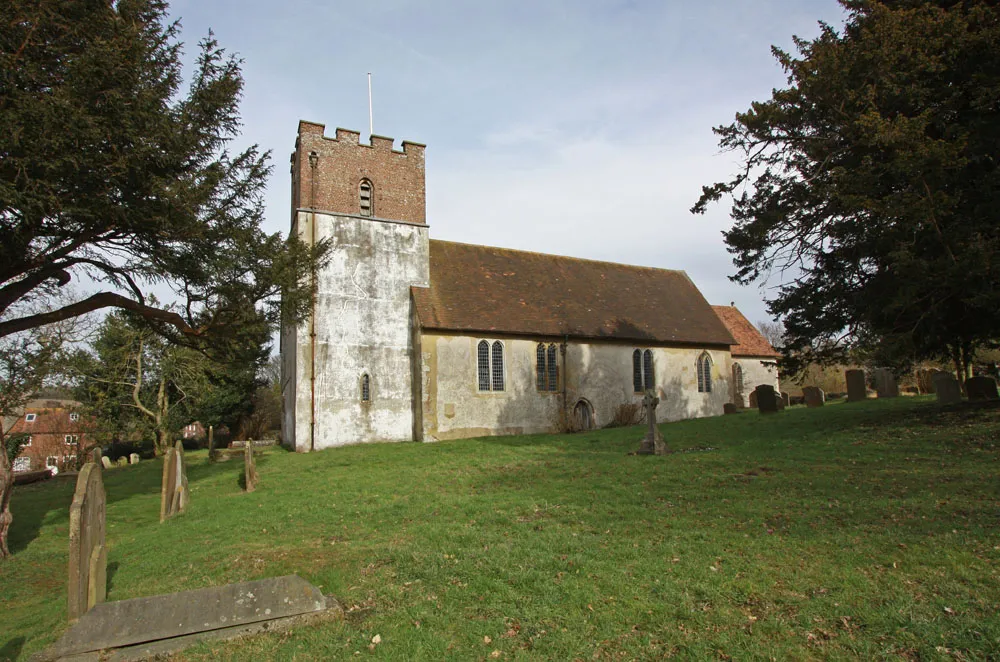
866,530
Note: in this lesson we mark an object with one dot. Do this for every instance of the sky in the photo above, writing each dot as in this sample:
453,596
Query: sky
574,127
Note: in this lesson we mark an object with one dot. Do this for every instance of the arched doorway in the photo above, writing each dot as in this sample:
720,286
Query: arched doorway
583,415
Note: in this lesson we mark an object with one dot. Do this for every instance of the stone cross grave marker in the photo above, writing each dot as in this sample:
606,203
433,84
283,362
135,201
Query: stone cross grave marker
766,398
981,388
814,396
652,443
88,556
856,389
885,383
249,467
174,488
947,388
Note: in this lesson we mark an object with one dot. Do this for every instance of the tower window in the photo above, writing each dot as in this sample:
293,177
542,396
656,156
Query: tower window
642,370
367,198
704,373
366,388
489,366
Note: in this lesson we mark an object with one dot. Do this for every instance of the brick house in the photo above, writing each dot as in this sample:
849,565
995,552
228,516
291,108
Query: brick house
59,434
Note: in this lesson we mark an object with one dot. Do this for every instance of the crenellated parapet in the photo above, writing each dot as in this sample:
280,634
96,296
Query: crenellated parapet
329,174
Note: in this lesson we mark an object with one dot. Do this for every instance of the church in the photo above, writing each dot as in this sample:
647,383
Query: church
418,339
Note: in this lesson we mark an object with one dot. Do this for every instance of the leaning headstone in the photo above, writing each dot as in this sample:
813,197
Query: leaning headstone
981,388
174,487
947,388
652,443
88,556
856,389
814,395
766,398
885,383
106,462
154,627
133,458
249,468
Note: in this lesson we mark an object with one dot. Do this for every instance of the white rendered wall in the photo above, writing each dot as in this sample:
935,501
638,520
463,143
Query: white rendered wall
362,326
600,373
756,371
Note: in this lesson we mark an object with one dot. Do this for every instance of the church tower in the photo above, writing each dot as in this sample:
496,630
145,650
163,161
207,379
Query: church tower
348,370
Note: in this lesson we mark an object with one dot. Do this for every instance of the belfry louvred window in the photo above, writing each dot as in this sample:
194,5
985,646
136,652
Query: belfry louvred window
367,195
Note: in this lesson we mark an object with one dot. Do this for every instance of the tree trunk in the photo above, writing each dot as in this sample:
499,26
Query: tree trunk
6,490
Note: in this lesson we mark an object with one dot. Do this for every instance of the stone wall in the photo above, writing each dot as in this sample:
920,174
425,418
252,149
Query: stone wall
599,373
755,373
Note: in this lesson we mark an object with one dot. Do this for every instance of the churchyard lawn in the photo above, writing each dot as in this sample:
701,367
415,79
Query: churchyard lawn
865,530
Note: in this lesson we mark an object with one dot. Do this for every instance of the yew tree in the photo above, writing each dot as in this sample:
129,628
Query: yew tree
869,188
118,177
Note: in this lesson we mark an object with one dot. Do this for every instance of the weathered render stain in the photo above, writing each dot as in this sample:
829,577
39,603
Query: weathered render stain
360,329
598,373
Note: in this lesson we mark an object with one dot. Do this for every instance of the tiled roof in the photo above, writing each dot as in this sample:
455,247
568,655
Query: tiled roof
749,340
497,290
55,420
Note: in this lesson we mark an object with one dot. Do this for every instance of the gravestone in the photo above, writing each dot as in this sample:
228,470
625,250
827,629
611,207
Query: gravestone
856,389
174,488
154,627
730,408
106,462
211,443
652,443
814,395
95,456
753,399
766,398
88,556
885,383
783,400
947,388
133,458
249,468
981,388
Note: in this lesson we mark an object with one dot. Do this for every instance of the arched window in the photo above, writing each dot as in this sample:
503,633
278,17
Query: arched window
497,366
704,373
738,378
366,388
637,371
367,195
642,371
546,367
541,374
489,365
647,369
483,365
553,368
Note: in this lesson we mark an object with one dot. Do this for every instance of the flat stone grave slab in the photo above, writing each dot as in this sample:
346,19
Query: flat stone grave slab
177,616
